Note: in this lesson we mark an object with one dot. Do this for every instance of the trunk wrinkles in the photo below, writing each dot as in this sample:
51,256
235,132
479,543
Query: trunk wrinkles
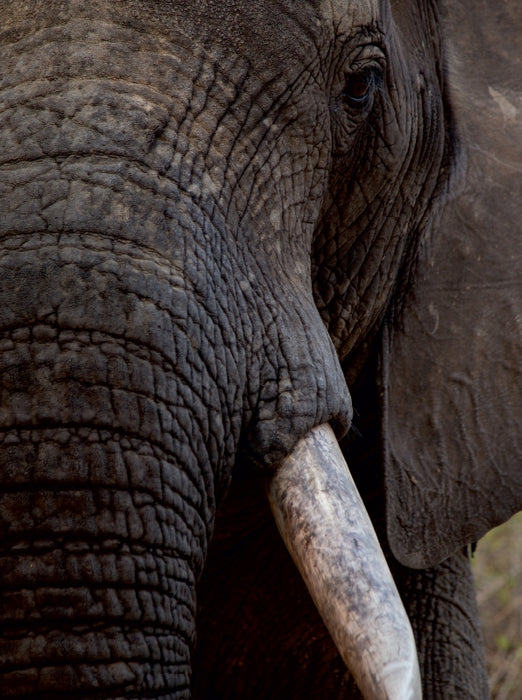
124,367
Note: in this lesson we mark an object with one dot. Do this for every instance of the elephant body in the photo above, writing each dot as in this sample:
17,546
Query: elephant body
224,225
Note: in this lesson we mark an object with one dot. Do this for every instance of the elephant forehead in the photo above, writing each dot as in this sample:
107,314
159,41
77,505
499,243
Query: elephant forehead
268,12
348,16
280,25
277,35
266,31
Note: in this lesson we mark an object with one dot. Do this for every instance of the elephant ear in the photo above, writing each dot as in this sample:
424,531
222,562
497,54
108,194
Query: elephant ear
452,356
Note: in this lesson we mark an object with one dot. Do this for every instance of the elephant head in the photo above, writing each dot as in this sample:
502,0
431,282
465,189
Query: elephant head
221,223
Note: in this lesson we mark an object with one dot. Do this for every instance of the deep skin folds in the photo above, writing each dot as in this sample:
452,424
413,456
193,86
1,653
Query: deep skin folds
206,220
132,243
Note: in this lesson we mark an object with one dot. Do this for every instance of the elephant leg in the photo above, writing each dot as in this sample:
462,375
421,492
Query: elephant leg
442,607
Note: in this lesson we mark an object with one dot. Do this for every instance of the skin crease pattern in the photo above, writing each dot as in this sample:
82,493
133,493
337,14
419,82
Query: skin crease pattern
232,234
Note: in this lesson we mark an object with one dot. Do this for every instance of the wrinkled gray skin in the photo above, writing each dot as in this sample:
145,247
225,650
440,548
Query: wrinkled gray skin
210,230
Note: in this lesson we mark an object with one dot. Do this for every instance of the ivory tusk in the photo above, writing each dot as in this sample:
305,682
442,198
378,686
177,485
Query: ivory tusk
328,532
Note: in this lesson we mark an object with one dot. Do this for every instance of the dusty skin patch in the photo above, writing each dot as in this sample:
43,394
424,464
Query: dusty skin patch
508,109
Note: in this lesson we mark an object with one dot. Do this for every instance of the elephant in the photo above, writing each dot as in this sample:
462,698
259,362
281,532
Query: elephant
243,245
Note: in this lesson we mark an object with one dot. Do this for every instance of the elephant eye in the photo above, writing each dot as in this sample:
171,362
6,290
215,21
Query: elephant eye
360,86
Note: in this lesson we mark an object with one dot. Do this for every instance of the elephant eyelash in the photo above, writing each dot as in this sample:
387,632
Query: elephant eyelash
356,101
361,86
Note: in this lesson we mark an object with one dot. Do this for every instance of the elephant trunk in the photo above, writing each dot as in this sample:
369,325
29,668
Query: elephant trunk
113,432
130,310
121,397
121,382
